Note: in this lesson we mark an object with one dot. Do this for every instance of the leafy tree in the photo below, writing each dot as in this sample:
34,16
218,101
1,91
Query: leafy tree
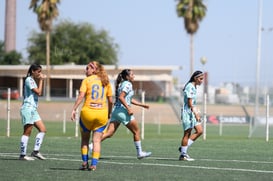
193,11
12,58
77,43
9,58
46,11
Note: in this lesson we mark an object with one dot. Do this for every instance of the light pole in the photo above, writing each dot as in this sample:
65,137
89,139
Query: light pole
256,113
203,61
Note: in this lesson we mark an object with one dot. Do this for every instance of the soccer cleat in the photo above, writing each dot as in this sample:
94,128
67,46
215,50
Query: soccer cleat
185,157
84,166
144,155
38,155
27,158
92,168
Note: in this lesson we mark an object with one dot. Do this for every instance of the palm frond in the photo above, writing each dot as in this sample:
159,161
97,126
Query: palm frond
46,11
33,4
192,11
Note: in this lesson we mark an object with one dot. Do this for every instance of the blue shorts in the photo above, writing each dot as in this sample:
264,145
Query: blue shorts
29,114
84,129
120,114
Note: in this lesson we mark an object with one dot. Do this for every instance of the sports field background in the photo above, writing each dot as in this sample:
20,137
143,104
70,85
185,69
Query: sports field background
231,156
158,112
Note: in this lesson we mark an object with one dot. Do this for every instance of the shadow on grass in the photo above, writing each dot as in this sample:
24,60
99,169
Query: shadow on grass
12,159
168,159
118,158
58,169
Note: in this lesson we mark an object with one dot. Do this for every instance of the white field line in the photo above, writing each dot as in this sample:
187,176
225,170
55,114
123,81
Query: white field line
196,167
155,158
15,155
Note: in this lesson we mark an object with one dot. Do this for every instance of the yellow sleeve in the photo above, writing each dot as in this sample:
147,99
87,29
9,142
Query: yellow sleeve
83,86
109,91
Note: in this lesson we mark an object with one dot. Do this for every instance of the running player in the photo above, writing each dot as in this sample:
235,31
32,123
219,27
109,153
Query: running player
123,112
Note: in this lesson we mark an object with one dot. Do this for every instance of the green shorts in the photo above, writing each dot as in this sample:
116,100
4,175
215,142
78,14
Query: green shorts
120,114
188,120
29,115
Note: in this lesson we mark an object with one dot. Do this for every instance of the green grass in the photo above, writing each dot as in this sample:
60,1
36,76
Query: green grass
232,156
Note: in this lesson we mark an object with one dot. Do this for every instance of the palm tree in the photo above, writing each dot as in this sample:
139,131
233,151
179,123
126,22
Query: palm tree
46,11
10,26
193,11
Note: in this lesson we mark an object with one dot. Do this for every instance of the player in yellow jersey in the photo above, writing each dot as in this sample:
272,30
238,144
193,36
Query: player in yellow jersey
97,92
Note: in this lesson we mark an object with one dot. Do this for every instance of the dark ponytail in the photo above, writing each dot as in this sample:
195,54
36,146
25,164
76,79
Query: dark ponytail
33,67
197,73
122,76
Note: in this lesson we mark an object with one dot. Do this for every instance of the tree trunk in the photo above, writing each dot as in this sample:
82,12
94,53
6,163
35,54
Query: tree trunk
48,65
191,54
10,26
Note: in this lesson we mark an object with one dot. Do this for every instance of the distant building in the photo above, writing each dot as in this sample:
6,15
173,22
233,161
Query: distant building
156,81
227,94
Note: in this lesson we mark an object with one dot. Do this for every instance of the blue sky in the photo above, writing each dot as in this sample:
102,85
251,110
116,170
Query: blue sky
150,33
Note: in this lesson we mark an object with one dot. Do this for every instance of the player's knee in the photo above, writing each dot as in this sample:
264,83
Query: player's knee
109,134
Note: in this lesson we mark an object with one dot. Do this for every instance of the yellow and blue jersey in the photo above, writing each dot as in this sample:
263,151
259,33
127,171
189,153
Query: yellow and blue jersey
96,94
94,113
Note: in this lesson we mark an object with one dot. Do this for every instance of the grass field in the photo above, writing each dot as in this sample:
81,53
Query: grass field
232,156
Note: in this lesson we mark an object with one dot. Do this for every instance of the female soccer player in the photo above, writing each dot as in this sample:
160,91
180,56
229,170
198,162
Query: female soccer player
122,111
190,115
96,90
30,116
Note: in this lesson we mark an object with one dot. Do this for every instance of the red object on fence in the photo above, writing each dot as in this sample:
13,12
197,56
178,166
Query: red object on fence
13,94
